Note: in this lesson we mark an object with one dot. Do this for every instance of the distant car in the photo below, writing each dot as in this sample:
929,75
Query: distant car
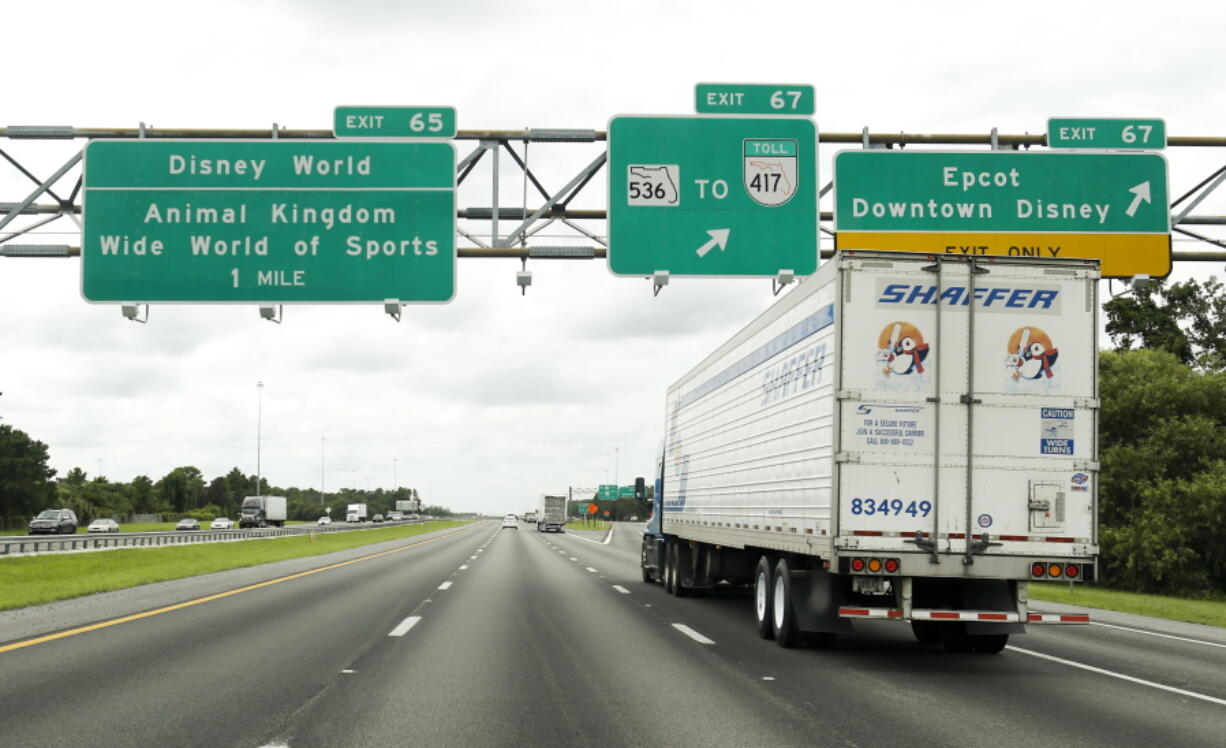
325,520
395,516
103,525
187,523
222,523
510,521
54,521
377,518
351,517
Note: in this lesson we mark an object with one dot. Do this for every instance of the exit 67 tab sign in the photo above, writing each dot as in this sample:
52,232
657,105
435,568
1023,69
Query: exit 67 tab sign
712,196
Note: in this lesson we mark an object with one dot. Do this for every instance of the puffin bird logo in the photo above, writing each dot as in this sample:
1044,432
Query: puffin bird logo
901,349
1031,354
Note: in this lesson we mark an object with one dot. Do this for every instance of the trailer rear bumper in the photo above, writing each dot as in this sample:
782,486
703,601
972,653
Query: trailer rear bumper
965,616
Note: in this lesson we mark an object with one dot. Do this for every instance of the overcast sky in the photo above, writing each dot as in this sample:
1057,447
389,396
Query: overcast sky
486,402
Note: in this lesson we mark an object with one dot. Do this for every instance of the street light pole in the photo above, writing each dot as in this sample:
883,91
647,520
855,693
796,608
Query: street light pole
321,471
395,480
259,433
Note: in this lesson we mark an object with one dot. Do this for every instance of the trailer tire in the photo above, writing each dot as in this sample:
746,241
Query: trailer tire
926,632
783,610
988,643
647,576
666,567
674,564
762,599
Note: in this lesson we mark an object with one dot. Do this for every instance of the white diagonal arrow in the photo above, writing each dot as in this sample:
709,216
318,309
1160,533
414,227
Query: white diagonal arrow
1141,191
718,236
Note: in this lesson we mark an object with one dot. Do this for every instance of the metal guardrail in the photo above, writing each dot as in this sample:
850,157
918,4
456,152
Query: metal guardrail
35,544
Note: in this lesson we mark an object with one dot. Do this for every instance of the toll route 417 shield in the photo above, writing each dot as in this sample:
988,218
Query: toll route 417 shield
770,170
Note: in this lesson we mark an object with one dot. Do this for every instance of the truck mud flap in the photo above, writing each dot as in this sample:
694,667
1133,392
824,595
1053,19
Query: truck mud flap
817,598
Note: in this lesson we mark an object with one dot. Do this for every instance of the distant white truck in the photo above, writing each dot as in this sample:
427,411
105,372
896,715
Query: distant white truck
356,513
551,517
409,508
902,437
262,511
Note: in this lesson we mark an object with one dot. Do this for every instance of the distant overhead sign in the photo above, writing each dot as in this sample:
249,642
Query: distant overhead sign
394,122
712,196
1116,133
754,98
268,221
606,491
1110,206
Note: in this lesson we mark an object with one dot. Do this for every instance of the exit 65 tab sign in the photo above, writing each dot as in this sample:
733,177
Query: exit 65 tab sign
712,196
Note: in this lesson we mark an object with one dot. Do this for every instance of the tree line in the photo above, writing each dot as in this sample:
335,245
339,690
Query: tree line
28,485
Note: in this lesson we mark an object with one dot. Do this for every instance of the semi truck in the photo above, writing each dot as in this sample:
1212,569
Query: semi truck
356,513
551,516
262,511
902,437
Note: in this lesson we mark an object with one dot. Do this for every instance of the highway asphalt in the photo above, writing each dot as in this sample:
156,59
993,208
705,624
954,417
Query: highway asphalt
506,637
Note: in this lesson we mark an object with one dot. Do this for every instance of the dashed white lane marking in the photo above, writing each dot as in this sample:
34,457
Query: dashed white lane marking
472,558
1154,633
767,677
404,626
348,671
1121,676
463,567
692,633
621,589
572,558
445,586
591,569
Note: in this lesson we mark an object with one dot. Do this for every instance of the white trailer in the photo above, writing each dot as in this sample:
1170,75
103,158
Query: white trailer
904,437
356,513
551,517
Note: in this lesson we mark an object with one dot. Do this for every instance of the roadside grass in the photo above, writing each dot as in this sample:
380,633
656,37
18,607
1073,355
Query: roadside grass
34,580
590,526
1211,612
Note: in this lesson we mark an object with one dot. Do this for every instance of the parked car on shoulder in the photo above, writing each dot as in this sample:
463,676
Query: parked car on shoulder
103,524
54,522
187,523
325,520
222,523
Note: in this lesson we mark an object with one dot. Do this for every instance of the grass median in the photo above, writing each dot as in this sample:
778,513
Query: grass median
34,580
1211,612
588,525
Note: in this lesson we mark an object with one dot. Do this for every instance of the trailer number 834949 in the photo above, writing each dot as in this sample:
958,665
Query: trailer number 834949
891,507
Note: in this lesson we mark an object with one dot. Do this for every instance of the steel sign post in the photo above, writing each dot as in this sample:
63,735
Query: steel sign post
712,196
1106,205
268,221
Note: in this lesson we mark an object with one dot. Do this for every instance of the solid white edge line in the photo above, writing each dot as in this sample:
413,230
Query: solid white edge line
1155,633
692,633
607,538
621,589
445,586
404,626
1121,676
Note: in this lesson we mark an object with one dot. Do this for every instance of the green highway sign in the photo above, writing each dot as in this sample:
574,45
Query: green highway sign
754,98
268,221
625,492
712,196
606,491
1116,133
394,122
1108,205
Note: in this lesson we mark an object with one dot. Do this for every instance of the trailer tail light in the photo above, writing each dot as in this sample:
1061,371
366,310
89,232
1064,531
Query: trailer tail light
872,565
1055,571
1038,569
1071,571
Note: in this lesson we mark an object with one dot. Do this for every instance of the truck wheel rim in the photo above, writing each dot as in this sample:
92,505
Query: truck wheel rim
760,589
780,600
